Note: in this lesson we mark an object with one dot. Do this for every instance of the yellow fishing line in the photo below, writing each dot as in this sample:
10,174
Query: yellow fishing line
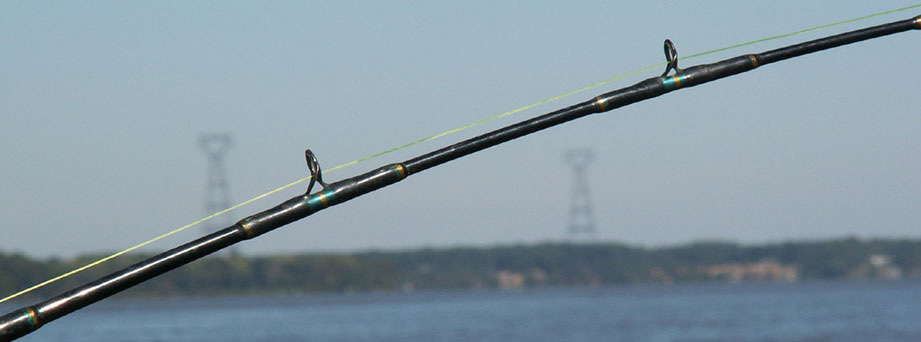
439,135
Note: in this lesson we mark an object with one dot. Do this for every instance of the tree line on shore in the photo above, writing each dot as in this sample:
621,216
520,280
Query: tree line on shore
548,264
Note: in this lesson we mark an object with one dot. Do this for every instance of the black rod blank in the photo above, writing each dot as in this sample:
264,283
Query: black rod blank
25,320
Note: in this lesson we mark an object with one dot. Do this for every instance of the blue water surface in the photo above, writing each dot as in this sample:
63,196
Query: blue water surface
809,311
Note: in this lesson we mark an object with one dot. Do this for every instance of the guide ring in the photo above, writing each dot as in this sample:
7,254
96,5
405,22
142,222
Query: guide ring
316,175
671,56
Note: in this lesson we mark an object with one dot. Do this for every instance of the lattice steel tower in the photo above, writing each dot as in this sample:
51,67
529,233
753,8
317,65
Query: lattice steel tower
217,190
581,215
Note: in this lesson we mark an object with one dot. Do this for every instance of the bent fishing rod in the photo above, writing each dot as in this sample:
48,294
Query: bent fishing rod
27,319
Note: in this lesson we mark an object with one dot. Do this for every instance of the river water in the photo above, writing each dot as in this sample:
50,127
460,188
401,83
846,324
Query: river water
808,311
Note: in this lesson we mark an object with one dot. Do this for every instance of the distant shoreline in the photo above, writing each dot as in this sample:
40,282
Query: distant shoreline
503,267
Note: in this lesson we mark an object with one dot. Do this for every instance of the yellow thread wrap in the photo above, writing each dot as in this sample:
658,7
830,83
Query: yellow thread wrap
248,228
33,316
602,103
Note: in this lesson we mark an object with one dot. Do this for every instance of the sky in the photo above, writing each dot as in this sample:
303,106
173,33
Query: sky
102,104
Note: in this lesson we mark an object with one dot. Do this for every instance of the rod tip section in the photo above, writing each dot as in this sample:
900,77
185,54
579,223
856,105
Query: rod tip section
917,22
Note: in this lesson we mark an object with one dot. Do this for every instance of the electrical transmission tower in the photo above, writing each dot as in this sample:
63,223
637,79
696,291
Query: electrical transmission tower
581,215
217,190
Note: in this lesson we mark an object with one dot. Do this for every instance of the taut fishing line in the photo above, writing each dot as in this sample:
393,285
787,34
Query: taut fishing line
439,135
29,318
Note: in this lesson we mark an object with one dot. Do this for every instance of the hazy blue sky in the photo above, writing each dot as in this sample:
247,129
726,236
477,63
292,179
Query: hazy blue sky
101,104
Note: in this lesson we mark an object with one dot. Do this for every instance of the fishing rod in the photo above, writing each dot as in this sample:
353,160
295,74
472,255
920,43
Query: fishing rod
27,319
